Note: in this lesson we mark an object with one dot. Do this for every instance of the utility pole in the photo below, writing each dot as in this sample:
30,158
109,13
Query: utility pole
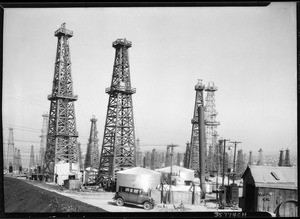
224,141
235,144
171,154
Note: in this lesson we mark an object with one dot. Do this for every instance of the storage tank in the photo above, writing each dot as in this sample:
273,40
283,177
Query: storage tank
138,177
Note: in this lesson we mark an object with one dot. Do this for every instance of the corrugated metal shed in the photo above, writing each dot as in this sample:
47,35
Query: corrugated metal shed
275,177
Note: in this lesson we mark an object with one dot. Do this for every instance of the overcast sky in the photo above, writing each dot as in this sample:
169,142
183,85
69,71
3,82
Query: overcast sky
248,52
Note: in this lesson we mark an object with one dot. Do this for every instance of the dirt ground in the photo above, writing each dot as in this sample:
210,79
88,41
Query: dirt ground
53,198
21,197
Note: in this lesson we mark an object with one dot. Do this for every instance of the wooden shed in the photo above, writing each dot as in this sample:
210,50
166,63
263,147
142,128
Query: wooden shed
266,187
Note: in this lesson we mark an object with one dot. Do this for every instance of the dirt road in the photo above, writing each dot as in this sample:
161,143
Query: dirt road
49,197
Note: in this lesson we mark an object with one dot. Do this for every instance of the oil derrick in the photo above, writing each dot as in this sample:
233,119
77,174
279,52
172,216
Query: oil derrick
245,161
139,155
19,161
186,156
221,161
211,166
118,147
154,160
162,159
147,160
250,160
10,149
240,163
280,163
287,162
92,153
211,125
31,162
43,137
178,159
37,161
168,157
80,164
260,158
216,154
194,147
62,135
15,162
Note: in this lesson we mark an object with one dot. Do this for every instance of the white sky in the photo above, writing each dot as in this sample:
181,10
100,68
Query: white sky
248,52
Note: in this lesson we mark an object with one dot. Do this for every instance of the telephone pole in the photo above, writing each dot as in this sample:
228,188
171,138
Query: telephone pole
224,149
235,144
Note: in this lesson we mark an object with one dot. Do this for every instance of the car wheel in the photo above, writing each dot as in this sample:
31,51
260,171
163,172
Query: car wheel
119,202
147,206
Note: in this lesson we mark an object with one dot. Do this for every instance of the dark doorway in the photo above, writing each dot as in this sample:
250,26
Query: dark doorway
249,198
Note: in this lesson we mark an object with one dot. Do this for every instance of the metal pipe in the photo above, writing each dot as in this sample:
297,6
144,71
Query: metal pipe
201,149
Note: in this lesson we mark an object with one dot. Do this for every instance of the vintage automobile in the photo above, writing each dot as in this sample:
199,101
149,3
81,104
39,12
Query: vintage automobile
133,196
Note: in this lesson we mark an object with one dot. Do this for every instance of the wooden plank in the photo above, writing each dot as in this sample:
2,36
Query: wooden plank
260,204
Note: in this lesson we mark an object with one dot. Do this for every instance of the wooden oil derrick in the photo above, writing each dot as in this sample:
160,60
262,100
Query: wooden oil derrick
119,145
62,135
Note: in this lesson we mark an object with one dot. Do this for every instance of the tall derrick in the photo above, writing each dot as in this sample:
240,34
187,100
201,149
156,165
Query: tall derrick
240,167
62,134
15,162
178,161
260,158
194,146
154,160
80,164
19,161
211,125
92,152
31,161
139,155
119,147
43,137
287,162
168,157
186,155
10,149
280,162
147,159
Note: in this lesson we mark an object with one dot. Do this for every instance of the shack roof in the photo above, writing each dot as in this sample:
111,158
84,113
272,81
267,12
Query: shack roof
138,171
274,177
175,169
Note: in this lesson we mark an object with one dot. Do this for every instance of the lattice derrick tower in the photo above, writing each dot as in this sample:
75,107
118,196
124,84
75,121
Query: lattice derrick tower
43,137
187,155
92,154
211,124
31,162
118,147
19,159
10,147
62,134
194,145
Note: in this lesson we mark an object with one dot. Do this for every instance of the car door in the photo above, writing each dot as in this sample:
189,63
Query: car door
133,195
142,196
